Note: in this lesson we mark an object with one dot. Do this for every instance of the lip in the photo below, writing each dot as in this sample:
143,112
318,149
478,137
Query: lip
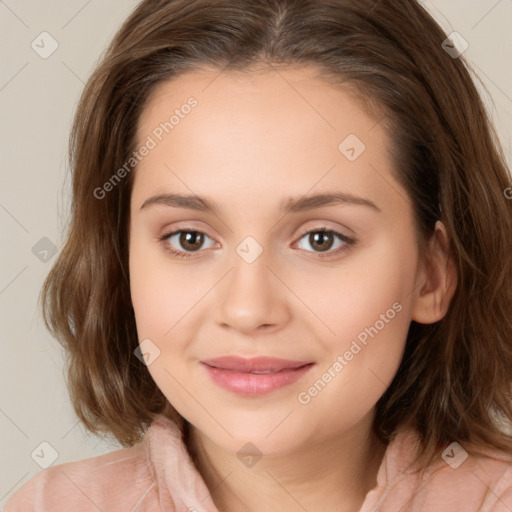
235,373
250,364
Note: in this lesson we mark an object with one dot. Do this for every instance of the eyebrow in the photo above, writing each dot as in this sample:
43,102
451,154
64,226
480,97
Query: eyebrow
291,205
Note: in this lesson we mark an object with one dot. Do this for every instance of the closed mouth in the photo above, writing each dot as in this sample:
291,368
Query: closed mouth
256,365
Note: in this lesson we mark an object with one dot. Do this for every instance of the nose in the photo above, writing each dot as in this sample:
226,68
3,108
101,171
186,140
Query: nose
252,297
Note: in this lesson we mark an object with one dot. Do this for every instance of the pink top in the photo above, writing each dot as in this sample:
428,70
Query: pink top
157,474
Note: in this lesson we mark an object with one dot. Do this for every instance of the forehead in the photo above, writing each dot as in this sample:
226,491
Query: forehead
280,130
235,96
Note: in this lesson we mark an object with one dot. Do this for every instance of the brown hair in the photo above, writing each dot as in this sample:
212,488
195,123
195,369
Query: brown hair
455,376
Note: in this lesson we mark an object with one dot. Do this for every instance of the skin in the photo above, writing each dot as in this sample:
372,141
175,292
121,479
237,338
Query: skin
254,140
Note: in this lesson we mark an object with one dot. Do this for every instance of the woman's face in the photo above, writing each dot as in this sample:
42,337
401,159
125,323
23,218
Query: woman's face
252,283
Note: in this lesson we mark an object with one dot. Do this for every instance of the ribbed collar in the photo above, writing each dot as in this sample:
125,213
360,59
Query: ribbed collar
181,486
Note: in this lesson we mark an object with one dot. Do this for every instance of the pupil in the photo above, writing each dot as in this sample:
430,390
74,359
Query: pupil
320,237
191,240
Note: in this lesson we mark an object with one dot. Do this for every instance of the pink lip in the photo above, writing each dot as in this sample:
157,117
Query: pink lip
234,373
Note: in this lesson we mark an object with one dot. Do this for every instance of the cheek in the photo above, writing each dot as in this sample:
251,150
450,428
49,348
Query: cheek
160,302
157,296
344,303
368,312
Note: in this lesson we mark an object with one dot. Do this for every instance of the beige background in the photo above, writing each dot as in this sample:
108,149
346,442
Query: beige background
37,101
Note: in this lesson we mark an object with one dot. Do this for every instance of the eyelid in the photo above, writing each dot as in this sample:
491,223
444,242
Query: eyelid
312,225
166,232
322,225
348,241
184,226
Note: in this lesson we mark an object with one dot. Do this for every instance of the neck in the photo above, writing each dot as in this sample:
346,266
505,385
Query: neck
331,474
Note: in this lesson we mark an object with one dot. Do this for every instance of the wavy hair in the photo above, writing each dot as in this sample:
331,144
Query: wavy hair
454,381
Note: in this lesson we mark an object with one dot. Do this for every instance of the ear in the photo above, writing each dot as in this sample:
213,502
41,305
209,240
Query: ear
436,279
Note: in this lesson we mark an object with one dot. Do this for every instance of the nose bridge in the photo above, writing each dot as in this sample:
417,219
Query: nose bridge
251,295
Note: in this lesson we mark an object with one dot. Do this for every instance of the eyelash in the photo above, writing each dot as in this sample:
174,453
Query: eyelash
348,242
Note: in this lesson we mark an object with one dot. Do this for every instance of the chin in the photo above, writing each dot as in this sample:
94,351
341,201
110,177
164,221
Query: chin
269,437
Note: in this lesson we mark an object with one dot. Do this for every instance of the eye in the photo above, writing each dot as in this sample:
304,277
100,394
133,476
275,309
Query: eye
190,241
322,240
